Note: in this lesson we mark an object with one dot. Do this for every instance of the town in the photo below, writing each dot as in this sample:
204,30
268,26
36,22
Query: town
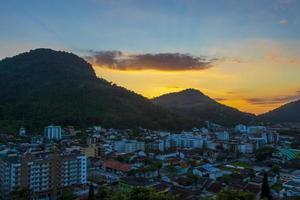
195,164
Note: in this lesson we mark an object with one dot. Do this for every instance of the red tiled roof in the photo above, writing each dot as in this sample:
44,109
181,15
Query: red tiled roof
112,164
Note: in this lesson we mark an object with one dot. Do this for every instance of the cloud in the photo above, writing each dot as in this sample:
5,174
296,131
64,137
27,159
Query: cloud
220,99
283,21
275,100
161,61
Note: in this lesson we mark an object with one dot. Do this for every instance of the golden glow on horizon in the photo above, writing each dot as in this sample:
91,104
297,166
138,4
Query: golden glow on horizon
265,71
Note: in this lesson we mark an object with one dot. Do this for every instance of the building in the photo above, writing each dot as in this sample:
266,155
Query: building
90,150
256,129
53,132
240,128
224,135
44,174
291,188
186,140
129,146
117,167
246,147
22,132
10,168
270,137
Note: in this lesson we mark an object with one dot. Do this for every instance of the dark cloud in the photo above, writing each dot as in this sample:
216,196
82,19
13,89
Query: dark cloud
220,99
161,61
274,100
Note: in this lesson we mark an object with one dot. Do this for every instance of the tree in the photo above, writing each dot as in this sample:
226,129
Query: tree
91,192
265,189
275,169
103,193
21,193
235,195
171,170
157,165
263,153
141,193
67,195
195,179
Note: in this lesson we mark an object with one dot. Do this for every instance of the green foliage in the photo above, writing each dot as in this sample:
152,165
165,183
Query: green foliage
199,107
235,195
171,170
147,194
103,193
45,87
277,187
157,166
67,195
263,153
287,113
139,193
21,193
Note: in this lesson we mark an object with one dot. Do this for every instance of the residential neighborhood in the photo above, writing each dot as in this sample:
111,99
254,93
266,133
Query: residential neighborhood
194,164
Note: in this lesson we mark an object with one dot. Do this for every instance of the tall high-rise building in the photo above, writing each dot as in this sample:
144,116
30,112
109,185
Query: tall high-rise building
44,175
53,132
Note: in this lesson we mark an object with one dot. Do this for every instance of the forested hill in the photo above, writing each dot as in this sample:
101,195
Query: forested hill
44,86
197,106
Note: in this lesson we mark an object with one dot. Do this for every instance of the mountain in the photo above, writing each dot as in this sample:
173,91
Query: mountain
44,86
289,112
194,104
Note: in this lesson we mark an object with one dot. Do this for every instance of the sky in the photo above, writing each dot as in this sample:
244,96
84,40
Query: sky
242,53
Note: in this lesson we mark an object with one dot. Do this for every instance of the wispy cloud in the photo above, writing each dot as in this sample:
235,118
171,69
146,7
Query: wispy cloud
274,100
220,99
161,61
283,21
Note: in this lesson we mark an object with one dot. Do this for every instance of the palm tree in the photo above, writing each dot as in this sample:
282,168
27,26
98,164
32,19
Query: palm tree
171,170
21,193
91,192
158,165
265,189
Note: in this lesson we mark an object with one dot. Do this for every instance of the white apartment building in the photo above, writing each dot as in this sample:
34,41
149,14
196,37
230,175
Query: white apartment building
129,146
44,174
186,140
53,132
246,147
224,135
240,128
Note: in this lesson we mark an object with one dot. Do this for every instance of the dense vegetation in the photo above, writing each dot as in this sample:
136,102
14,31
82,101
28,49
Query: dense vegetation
289,112
45,86
264,153
141,193
194,104
138,193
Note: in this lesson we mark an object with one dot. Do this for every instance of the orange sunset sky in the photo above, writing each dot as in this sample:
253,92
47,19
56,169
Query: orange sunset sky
258,76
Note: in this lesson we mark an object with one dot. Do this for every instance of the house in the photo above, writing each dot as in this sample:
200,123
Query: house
291,187
246,148
117,167
224,135
207,170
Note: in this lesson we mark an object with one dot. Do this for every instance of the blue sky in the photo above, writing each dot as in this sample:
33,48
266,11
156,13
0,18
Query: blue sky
146,26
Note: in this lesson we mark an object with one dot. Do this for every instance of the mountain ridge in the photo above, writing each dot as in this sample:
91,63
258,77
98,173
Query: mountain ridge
192,102
289,112
44,86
